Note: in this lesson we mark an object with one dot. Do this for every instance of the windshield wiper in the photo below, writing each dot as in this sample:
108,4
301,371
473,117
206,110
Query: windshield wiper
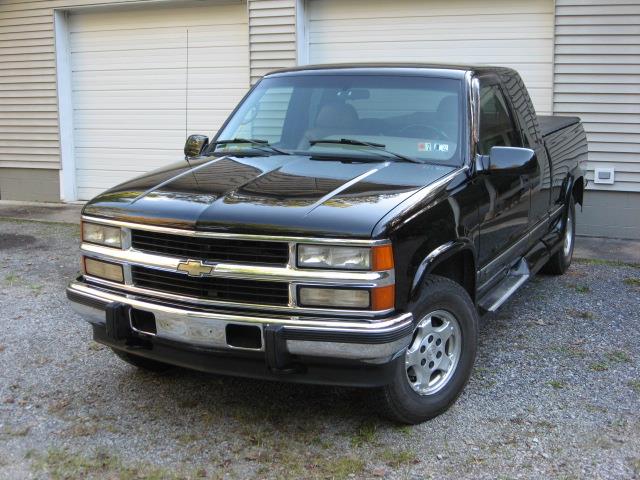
258,143
378,146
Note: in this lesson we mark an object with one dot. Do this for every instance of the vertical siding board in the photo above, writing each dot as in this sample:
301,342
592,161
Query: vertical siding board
596,78
272,36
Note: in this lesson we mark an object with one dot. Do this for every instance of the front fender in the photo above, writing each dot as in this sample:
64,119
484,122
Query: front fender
439,255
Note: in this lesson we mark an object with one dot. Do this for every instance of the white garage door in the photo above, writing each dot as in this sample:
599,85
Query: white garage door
143,78
514,33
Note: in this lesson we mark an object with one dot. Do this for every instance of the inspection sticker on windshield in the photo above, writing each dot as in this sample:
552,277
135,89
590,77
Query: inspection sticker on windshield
441,147
433,147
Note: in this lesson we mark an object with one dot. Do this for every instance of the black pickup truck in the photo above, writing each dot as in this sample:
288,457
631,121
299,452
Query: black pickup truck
347,225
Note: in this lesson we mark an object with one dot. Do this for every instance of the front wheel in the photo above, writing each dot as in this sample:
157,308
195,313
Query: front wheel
438,361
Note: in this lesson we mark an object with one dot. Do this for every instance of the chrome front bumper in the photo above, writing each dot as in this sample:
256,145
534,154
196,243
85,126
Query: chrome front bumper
368,341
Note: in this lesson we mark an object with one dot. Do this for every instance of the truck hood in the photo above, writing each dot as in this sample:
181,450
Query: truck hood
280,194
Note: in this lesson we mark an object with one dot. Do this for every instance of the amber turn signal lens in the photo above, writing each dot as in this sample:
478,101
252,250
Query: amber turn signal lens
106,270
381,257
383,298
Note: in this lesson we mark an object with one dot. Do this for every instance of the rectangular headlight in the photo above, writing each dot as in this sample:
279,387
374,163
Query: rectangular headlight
333,297
379,257
101,234
340,258
106,270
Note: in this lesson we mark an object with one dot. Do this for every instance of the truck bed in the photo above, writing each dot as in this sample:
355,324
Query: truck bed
552,123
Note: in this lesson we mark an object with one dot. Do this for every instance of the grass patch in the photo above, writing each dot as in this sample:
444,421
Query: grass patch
618,356
403,429
609,263
12,279
571,351
340,468
584,314
599,367
557,384
635,385
61,465
582,289
16,432
633,282
396,459
365,434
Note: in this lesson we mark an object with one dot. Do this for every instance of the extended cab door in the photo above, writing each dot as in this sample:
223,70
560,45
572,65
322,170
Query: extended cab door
504,217
527,122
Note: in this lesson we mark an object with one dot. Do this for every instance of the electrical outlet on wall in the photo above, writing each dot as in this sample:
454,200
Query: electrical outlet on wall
604,175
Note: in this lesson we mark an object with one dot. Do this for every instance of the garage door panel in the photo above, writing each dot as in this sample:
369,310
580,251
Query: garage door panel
206,121
172,37
393,29
159,17
130,139
468,52
157,78
133,59
122,40
371,9
514,33
143,77
137,119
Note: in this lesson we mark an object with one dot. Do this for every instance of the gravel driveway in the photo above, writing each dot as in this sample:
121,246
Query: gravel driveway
555,393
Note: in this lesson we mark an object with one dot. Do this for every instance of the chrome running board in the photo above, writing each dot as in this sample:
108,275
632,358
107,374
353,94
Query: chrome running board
499,294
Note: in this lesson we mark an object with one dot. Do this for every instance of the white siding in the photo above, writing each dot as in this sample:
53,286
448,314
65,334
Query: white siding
272,33
597,77
514,33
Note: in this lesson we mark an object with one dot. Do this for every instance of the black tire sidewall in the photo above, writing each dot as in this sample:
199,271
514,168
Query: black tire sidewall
438,294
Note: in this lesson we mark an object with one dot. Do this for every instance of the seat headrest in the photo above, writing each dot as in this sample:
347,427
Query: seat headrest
336,115
448,107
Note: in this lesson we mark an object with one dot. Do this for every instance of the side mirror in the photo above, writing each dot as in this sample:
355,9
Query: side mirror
194,145
509,160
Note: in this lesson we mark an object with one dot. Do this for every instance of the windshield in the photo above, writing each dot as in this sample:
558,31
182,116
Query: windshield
408,116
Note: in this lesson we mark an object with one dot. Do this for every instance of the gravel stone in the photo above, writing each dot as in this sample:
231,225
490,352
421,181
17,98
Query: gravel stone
555,393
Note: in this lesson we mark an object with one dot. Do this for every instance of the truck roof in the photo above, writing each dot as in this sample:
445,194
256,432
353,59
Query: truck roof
447,70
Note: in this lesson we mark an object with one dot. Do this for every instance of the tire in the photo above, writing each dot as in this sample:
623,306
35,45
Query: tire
560,261
141,362
410,399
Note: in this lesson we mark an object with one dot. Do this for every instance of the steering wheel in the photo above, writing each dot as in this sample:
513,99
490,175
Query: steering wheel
440,135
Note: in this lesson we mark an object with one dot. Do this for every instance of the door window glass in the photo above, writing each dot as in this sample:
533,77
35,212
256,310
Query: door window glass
496,125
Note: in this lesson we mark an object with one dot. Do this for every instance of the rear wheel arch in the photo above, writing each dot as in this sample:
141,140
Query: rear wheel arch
577,190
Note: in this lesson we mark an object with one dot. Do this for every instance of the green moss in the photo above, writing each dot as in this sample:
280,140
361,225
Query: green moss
397,458
635,385
61,464
618,356
557,384
599,367
364,434
610,263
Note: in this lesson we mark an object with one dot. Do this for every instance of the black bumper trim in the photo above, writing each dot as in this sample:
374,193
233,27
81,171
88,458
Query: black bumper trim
308,370
88,301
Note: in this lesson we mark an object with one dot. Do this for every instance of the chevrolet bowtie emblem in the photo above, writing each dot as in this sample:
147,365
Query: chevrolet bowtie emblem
195,268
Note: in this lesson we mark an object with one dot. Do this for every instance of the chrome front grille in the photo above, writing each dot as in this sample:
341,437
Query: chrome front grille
253,252
212,288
